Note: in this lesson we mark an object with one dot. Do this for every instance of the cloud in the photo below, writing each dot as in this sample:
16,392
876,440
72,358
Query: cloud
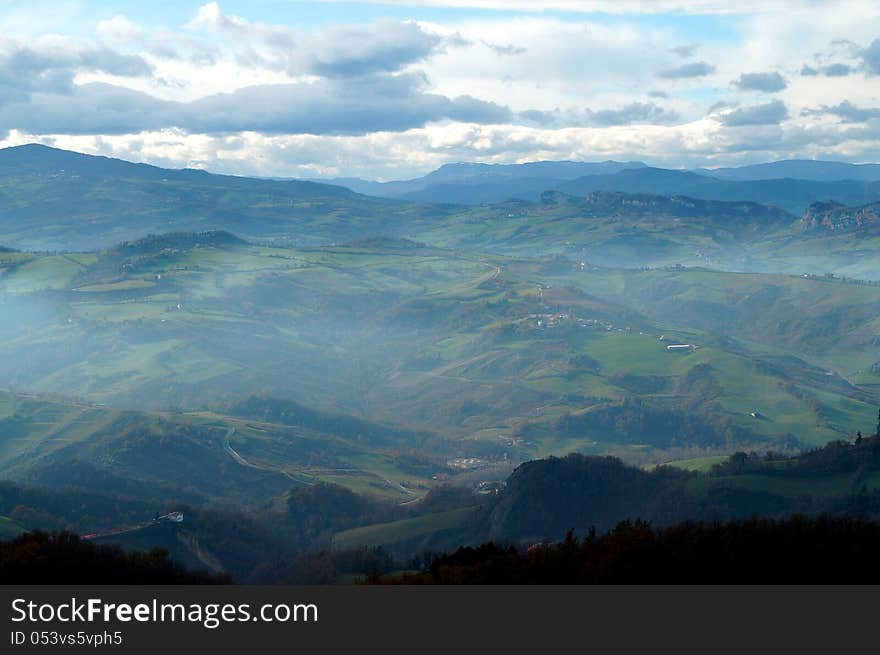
337,50
646,113
763,82
635,112
51,68
372,104
871,57
385,46
119,28
684,51
234,93
831,70
703,7
395,155
508,49
720,105
380,103
770,113
837,70
210,16
86,109
685,71
847,111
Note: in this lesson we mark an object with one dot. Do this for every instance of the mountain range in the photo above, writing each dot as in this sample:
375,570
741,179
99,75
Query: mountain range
615,215
296,365
791,185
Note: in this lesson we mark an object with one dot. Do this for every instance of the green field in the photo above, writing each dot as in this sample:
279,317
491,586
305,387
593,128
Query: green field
451,342
792,487
403,530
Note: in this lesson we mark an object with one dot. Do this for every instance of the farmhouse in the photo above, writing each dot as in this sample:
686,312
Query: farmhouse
681,347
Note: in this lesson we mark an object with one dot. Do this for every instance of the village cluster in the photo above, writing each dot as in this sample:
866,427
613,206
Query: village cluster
557,319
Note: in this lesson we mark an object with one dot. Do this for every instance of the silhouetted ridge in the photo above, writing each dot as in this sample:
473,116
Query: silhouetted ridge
181,240
797,550
63,558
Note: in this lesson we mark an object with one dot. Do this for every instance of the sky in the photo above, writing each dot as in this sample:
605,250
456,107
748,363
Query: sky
394,89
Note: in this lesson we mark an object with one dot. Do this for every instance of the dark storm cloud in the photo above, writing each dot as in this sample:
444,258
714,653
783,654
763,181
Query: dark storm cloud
362,86
86,109
764,82
770,113
686,71
379,103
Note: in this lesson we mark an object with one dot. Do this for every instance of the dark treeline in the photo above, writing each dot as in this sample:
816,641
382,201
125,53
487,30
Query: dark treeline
546,498
835,457
797,550
63,558
290,541
289,544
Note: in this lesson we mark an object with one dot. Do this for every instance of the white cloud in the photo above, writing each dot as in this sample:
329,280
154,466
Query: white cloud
611,6
394,155
119,29
394,98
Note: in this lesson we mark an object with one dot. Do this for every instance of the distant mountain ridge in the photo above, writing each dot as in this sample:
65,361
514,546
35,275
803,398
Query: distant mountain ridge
45,160
456,182
792,185
801,169
56,199
37,158
793,195
52,199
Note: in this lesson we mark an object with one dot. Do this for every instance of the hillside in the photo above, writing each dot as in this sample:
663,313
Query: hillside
473,356
831,322
53,199
617,229
543,500
63,558
547,498
836,217
210,539
207,458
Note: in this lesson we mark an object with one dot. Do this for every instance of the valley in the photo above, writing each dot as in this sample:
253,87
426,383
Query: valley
301,366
